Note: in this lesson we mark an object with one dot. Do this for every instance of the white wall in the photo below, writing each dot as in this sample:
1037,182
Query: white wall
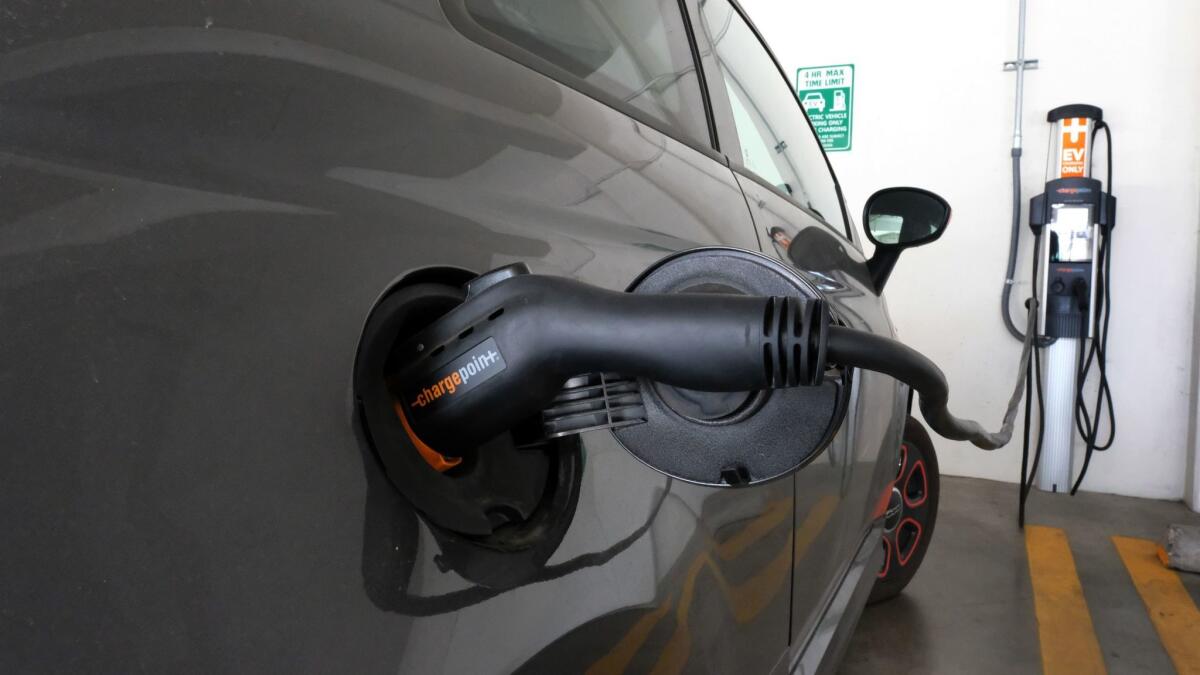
1192,490
934,109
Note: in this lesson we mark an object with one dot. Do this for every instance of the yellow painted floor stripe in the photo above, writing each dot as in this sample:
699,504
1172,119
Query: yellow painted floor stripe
1065,630
1170,607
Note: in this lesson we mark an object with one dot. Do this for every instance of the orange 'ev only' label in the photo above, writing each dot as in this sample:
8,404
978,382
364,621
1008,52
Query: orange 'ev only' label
1072,161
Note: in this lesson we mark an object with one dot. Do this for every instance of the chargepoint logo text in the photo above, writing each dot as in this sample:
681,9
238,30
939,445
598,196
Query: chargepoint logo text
476,366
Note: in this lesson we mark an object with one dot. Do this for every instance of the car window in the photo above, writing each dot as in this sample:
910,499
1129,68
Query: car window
635,50
776,141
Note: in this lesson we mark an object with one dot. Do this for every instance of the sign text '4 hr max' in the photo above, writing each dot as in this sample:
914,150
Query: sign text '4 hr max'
827,95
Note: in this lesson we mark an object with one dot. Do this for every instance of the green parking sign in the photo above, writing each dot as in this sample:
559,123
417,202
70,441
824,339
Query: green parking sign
827,95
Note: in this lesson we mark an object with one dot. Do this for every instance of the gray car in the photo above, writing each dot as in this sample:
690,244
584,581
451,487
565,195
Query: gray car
203,207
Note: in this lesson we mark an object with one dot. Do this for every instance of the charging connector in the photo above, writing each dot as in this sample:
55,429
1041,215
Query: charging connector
506,351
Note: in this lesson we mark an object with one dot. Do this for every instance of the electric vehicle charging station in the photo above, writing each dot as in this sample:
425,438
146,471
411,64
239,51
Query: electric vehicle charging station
1079,215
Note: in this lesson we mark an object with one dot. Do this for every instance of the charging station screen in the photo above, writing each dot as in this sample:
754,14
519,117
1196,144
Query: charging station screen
1071,234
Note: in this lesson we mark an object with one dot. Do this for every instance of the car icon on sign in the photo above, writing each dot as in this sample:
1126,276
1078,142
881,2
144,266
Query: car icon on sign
813,100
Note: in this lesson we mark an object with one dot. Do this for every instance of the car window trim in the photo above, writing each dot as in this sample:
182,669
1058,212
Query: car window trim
709,115
737,165
460,18
745,172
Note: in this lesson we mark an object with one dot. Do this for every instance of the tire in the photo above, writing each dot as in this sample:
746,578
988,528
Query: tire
907,534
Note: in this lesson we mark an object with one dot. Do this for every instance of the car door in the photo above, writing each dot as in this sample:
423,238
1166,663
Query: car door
797,209
201,204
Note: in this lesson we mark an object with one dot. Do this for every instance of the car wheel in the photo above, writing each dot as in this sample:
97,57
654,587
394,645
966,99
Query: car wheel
911,514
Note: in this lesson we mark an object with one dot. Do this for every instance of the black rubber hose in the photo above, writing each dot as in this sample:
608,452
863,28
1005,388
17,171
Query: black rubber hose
1027,484
1021,487
1036,376
1099,345
1099,341
882,354
526,335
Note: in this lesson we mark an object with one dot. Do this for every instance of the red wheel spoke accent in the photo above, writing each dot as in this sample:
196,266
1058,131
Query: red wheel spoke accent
888,547
903,461
918,474
905,554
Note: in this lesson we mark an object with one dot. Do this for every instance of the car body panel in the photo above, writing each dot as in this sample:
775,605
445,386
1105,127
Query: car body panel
199,206
862,450
836,495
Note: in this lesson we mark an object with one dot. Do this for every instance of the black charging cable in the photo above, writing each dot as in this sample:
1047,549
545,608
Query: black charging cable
1033,383
523,335
1089,424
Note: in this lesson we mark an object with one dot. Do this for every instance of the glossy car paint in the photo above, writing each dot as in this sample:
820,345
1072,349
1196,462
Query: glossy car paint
834,501
855,470
200,203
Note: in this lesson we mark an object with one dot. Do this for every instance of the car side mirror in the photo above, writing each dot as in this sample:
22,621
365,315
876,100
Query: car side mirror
898,218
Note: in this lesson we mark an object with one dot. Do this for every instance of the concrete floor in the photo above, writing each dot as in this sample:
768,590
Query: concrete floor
970,608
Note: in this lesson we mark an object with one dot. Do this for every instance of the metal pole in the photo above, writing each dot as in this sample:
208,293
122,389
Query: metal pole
1020,67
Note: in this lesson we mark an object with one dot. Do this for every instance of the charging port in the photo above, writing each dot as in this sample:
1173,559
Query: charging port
512,496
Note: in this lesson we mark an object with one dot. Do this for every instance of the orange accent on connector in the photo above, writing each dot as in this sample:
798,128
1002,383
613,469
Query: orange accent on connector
435,459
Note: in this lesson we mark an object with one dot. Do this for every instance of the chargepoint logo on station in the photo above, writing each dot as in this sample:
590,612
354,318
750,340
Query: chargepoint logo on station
1072,162
474,367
